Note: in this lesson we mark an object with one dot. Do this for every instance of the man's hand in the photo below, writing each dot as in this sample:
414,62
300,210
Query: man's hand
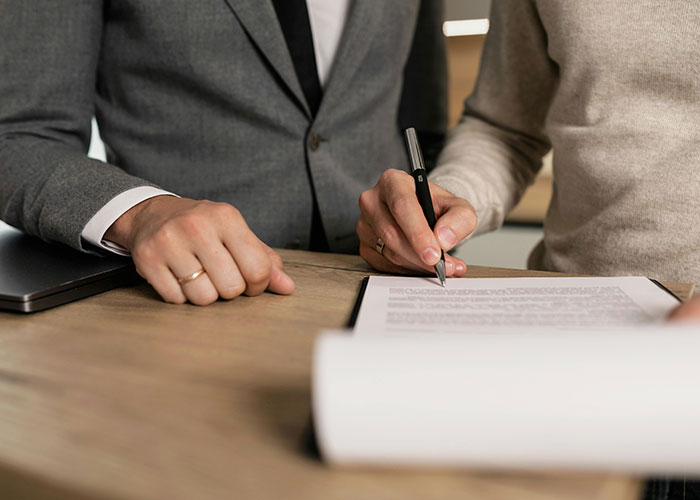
690,311
390,211
171,238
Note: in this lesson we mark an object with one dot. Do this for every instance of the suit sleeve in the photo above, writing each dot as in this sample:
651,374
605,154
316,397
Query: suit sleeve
496,150
48,61
424,96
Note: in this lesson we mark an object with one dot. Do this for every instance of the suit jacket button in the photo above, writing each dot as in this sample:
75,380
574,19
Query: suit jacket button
314,141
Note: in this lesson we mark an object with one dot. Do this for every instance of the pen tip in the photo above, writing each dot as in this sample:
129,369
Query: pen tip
440,271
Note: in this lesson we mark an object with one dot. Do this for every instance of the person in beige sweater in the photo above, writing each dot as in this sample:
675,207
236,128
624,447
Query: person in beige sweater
614,89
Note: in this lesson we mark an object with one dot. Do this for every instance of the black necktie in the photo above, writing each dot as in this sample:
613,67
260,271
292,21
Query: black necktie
294,20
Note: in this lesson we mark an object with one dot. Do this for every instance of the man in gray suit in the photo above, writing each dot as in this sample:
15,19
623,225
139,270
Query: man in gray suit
266,119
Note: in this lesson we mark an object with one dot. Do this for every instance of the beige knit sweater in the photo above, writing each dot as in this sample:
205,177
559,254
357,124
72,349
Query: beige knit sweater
614,87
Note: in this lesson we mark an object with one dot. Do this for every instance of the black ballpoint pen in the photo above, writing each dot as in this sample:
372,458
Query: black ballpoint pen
423,192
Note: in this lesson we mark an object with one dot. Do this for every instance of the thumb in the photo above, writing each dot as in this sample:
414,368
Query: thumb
280,282
457,221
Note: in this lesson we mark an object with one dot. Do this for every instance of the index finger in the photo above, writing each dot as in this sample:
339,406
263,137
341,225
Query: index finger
399,194
247,251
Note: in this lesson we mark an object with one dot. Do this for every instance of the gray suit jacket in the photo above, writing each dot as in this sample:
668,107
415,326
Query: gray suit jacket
200,97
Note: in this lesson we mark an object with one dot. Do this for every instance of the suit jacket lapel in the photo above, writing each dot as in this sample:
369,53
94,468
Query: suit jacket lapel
259,19
360,27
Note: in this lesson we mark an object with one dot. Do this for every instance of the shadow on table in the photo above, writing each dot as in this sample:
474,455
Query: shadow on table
287,413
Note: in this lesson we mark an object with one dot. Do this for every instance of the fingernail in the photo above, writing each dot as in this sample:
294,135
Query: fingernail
431,256
447,237
461,267
450,268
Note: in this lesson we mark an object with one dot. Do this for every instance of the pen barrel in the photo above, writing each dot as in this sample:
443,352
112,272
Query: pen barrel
423,195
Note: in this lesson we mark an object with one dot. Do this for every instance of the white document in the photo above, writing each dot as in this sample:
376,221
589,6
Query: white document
599,400
511,373
401,305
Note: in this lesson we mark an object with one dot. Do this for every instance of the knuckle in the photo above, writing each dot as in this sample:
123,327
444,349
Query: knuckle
400,203
254,291
391,175
464,206
191,225
364,201
142,271
166,235
228,211
467,217
205,297
259,275
471,223
168,294
462,203
174,298
385,178
398,180
232,291
144,255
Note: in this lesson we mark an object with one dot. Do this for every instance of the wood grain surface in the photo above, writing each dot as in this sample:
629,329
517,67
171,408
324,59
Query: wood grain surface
121,396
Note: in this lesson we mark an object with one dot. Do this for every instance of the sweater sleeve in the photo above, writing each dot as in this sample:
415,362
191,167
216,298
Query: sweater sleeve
48,61
497,148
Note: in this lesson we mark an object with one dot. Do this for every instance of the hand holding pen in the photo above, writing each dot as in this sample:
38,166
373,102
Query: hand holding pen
395,235
420,176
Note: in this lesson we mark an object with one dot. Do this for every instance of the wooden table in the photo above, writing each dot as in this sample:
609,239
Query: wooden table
124,396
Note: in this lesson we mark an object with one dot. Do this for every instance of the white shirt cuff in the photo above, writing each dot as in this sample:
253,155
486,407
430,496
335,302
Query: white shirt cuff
95,229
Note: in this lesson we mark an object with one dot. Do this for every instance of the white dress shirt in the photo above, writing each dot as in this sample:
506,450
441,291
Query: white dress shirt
327,19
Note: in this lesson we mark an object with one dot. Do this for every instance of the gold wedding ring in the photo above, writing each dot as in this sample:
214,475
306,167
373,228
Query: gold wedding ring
191,277
379,247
